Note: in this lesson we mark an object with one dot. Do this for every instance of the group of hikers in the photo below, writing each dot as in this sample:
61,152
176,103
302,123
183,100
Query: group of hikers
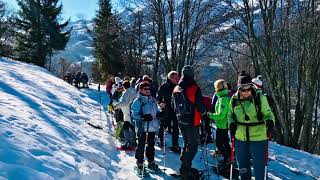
77,80
145,112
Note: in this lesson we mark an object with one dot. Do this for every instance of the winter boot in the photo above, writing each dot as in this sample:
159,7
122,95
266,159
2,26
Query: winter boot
175,149
140,170
152,166
160,144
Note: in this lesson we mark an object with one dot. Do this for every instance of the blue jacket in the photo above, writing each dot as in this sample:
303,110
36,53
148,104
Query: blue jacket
145,105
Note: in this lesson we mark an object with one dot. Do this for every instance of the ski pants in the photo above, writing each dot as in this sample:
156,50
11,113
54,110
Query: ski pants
222,143
141,147
166,123
190,146
244,151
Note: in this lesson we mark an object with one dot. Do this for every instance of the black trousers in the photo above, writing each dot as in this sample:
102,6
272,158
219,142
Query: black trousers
141,147
222,142
205,129
169,120
190,146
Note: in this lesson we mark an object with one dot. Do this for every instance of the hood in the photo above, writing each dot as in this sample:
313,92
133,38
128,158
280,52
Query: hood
222,93
186,81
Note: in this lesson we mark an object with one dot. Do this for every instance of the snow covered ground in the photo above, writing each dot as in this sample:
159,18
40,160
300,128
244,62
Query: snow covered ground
44,134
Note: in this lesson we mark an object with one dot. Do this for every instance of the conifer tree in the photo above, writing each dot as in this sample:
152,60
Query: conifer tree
106,34
40,32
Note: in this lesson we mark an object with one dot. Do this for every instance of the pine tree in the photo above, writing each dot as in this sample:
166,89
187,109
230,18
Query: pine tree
39,29
107,48
6,31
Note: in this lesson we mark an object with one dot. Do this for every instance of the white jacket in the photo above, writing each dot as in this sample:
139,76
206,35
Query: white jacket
124,103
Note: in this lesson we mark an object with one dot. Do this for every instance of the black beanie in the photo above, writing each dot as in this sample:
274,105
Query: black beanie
244,78
187,71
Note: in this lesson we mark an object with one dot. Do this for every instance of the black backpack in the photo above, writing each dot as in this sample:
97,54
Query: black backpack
183,107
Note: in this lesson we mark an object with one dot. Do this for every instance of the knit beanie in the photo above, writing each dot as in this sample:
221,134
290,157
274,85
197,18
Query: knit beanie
244,79
257,82
187,71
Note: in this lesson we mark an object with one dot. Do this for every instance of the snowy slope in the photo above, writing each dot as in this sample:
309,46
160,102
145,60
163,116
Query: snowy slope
43,134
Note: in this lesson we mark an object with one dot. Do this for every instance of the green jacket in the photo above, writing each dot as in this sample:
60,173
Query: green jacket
258,132
222,108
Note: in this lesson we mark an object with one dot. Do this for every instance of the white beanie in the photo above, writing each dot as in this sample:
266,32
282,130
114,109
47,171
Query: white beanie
257,81
117,80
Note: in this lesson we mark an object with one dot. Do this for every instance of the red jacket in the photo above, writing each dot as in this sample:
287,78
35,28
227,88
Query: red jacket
109,86
191,92
208,103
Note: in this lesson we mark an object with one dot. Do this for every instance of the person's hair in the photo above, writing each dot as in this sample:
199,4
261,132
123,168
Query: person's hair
126,84
144,84
172,73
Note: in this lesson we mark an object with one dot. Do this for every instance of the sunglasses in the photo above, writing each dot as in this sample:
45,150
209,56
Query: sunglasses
146,89
245,89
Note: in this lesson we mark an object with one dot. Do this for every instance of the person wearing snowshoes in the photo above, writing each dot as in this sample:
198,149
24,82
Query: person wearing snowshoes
129,94
169,117
187,102
144,112
250,118
220,119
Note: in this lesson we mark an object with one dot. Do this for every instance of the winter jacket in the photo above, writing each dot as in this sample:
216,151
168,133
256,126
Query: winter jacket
125,102
145,105
109,87
207,103
165,93
116,96
221,110
193,93
257,132
215,99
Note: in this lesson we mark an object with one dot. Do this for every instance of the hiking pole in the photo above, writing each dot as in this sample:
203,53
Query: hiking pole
164,150
99,97
232,155
267,157
145,147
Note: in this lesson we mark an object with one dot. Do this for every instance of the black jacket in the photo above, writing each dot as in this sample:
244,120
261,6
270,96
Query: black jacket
165,93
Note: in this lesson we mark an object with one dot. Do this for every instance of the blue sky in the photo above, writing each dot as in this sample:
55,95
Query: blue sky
72,8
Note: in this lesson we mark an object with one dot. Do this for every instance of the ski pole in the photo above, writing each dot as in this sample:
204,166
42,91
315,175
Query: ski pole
267,156
145,147
232,155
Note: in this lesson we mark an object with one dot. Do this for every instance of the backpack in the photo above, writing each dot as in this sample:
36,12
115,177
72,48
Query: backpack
184,108
118,114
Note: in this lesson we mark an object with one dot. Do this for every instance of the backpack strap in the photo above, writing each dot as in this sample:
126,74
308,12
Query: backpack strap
257,102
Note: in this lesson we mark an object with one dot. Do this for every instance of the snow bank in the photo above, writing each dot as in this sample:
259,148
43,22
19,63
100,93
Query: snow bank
42,129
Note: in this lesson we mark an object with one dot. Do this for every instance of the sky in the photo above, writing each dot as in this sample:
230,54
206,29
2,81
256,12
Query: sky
75,9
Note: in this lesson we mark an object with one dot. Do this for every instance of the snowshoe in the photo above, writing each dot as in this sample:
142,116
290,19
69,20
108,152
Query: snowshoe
160,144
153,167
175,149
225,172
141,172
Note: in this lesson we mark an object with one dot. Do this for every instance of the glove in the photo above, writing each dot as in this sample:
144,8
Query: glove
147,117
270,125
110,108
233,129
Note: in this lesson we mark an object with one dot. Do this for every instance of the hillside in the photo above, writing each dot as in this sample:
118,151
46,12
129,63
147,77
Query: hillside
44,134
